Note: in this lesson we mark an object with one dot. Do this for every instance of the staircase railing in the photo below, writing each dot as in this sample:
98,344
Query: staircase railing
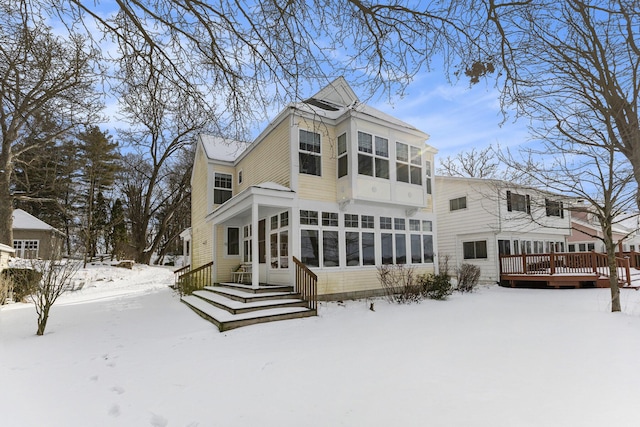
195,279
180,272
306,284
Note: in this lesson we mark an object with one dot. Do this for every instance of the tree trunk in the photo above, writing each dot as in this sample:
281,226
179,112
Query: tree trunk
42,321
6,202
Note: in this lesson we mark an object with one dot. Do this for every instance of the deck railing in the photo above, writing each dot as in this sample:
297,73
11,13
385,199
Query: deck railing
564,263
306,284
195,279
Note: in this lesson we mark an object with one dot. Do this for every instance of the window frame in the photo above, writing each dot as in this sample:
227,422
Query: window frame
305,154
218,189
456,205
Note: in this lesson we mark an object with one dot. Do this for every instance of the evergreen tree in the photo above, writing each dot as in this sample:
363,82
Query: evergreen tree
117,230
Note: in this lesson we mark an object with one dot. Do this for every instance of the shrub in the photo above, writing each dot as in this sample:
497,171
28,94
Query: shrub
6,286
25,281
436,286
468,275
399,283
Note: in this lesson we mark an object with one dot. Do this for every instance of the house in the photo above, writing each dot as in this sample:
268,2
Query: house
33,238
333,182
587,235
481,219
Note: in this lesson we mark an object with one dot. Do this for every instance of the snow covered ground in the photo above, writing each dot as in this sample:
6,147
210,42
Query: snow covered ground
124,352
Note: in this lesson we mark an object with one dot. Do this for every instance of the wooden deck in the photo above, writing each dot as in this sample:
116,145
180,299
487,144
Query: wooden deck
566,270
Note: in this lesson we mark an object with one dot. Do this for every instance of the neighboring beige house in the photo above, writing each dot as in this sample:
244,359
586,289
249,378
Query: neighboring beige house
480,219
33,238
341,186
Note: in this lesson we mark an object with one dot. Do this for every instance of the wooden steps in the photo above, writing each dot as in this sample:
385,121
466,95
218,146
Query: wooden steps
232,305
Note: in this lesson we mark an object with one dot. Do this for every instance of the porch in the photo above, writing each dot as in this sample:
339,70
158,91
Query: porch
568,270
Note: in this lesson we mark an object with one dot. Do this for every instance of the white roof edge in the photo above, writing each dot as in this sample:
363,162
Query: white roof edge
6,248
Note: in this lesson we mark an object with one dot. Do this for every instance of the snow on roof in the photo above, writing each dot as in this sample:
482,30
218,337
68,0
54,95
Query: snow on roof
272,186
25,221
225,149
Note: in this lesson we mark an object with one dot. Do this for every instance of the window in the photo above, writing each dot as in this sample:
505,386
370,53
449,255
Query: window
386,240
516,247
427,174
554,208
385,223
401,249
475,250
457,204
309,247
373,161
351,221
240,177
368,249
309,155
504,247
367,221
408,164
222,184
398,224
352,245
343,162
279,242
427,226
284,219
427,248
26,248
414,224
247,243
518,202
416,248
330,249
572,247
308,217
329,219
233,241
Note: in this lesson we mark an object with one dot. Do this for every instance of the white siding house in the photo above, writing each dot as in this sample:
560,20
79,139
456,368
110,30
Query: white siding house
480,219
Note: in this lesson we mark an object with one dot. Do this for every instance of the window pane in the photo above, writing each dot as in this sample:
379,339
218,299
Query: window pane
368,249
398,223
427,226
351,220
342,144
402,152
284,219
416,157
367,221
416,248
365,143
222,180
414,224
387,248
330,219
365,165
221,196
233,241
331,255
284,249
402,172
274,250
310,164
274,222
382,168
308,217
385,223
481,249
382,147
343,166
352,244
309,141
427,168
309,247
469,250
427,248
401,249
416,175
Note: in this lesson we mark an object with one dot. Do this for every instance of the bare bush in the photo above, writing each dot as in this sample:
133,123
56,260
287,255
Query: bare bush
436,286
399,283
56,278
468,276
6,289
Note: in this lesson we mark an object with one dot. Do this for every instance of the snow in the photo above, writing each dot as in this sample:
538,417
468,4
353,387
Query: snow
224,149
123,351
25,221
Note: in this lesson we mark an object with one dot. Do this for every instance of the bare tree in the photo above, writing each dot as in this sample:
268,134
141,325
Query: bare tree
40,75
599,176
572,67
55,280
472,164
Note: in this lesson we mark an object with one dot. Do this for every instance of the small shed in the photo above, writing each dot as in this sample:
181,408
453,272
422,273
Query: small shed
34,238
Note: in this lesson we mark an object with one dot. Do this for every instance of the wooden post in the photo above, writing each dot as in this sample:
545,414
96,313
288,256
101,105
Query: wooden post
552,263
524,263
594,262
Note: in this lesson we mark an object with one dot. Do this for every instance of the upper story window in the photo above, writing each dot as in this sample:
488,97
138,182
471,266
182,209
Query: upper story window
240,177
457,204
222,184
373,159
351,221
330,219
367,221
427,175
385,223
309,156
308,217
408,164
343,161
554,208
518,202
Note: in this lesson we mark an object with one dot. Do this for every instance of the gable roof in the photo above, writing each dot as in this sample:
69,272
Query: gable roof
25,221
223,149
